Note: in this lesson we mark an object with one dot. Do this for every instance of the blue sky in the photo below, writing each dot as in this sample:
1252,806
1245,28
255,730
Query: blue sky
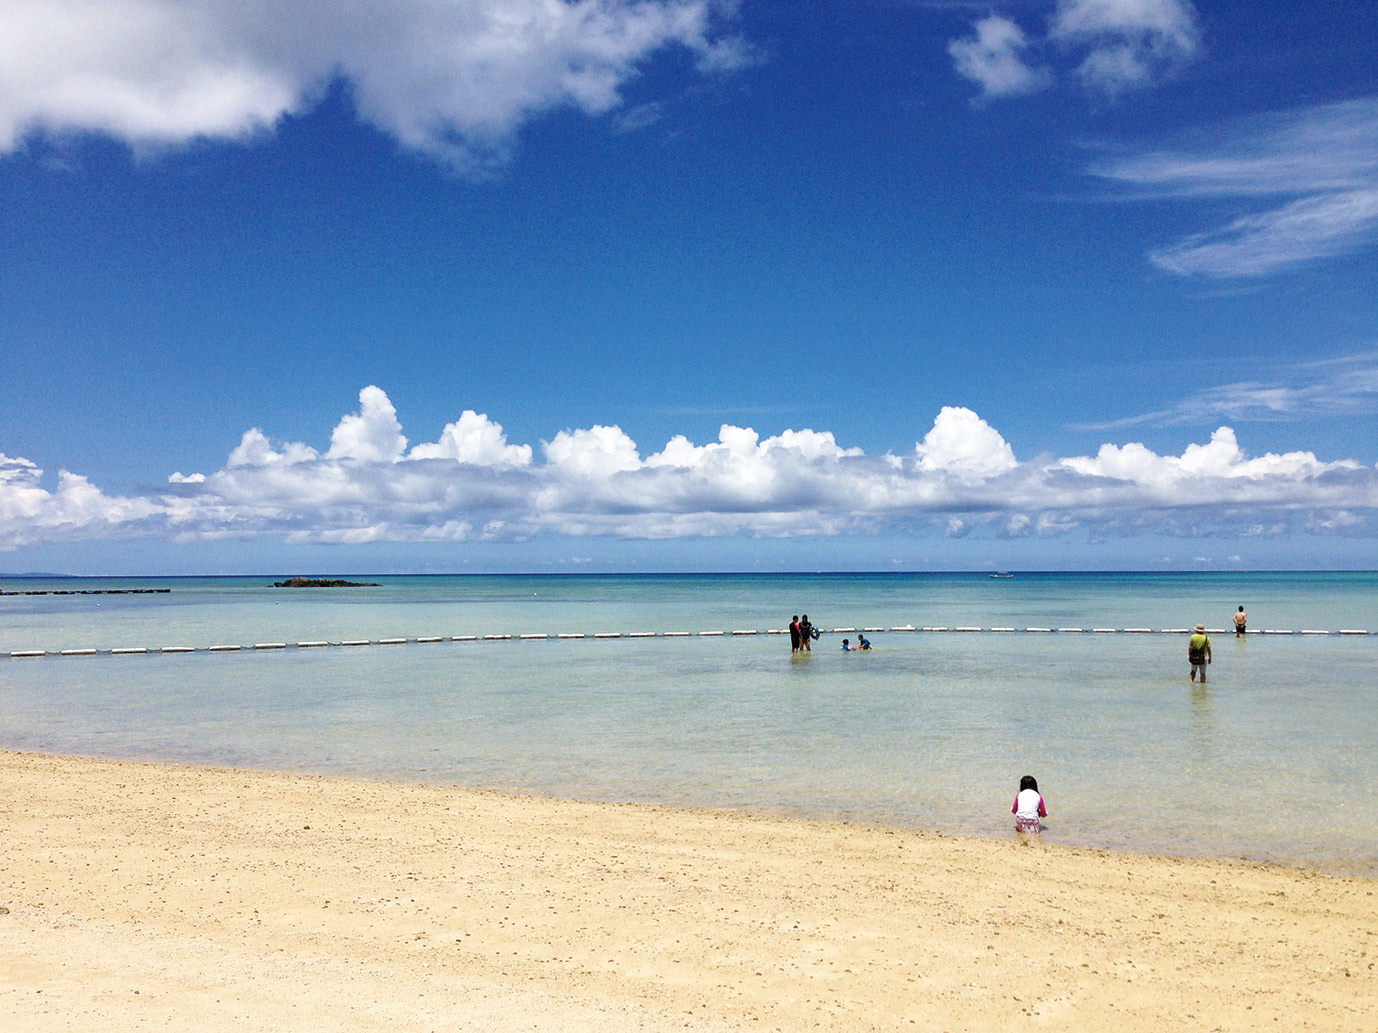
518,285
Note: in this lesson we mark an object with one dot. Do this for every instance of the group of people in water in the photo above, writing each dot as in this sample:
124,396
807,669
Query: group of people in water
802,636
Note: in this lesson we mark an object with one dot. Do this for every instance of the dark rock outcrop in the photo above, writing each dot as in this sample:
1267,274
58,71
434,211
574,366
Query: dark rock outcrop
321,582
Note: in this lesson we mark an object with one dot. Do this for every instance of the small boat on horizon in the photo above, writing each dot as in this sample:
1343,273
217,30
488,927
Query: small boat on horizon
1002,573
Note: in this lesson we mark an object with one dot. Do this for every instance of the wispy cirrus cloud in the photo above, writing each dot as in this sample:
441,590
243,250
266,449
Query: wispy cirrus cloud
450,80
1336,387
962,478
1320,163
1116,45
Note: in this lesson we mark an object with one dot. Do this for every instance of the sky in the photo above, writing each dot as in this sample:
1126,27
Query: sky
687,285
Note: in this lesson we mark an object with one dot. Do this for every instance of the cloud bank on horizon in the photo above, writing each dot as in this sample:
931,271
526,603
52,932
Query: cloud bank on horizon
452,81
471,484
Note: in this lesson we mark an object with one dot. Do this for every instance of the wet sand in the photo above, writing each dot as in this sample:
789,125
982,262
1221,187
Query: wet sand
151,895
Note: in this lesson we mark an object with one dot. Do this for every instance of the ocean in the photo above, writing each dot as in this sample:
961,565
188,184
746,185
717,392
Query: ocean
1273,760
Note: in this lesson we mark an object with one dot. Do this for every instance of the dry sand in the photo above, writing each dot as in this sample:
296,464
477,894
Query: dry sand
147,896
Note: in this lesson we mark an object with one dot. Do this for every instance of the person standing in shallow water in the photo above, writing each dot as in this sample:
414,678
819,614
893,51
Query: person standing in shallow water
1199,652
1241,621
794,634
806,635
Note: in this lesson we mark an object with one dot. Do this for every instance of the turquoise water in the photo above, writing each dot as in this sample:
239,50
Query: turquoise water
1273,760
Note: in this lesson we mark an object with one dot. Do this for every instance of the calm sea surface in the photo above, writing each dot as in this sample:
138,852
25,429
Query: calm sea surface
1274,760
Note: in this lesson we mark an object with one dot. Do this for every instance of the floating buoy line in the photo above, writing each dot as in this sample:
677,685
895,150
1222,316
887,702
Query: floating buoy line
91,591
19,654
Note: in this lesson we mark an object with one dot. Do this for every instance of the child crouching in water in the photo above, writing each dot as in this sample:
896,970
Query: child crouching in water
1028,806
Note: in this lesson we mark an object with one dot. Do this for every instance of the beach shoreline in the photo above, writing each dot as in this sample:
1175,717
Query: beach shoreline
218,898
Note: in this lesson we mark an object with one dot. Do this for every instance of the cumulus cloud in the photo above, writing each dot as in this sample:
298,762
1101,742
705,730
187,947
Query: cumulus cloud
31,514
994,59
450,79
1319,164
963,444
474,438
1220,462
1129,42
1117,45
962,478
372,434
597,452
254,449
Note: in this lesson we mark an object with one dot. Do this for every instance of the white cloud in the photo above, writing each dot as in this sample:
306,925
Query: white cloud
1301,231
254,449
1346,386
1320,162
994,59
962,479
20,494
963,444
474,438
1342,523
1017,526
639,117
1219,466
597,452
372,434
30,514
1131,42
1119,44
450,79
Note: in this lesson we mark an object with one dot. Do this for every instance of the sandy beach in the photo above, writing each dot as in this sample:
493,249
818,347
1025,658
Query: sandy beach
148,895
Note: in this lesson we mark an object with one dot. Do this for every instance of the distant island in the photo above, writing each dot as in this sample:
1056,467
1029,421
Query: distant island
321,582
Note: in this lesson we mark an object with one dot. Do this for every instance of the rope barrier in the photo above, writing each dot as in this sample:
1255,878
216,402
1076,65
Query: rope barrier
20,654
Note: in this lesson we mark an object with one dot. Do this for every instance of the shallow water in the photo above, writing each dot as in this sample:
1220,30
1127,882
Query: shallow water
1274,759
